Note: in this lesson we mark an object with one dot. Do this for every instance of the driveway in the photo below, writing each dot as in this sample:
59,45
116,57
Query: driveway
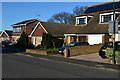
91,57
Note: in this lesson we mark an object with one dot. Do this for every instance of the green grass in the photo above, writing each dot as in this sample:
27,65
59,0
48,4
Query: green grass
49,49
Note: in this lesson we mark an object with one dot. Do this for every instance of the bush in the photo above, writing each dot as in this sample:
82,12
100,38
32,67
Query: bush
109,53
117,57
46,41
23,42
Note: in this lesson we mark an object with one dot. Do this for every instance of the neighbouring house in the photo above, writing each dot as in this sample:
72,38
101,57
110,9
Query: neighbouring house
35,28
5,35
93,25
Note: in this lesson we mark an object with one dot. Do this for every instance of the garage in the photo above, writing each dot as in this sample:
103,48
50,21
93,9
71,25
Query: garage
95,39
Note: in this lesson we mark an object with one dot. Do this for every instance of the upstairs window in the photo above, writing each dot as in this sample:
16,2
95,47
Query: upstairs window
106,18
17,29
82,21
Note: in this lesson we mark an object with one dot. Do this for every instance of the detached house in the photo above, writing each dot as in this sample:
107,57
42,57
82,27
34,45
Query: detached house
93,25
5,35
35,28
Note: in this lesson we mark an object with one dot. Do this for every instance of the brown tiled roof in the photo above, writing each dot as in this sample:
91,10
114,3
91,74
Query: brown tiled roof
25,22
93,27
57,29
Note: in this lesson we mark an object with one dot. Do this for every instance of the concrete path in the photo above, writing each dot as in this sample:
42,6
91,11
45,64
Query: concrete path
91,57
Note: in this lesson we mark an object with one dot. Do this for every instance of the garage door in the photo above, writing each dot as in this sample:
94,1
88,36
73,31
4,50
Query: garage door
94,39
117,37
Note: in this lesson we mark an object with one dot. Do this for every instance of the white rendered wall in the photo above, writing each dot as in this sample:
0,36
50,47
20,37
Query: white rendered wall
95,39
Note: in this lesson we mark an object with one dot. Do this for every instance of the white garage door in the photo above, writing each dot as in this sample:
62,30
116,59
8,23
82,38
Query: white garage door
94,39
117,37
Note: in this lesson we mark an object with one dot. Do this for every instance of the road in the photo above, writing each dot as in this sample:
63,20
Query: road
21,66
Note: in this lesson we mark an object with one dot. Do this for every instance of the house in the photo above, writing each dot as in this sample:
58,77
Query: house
5,35
93,25
35,28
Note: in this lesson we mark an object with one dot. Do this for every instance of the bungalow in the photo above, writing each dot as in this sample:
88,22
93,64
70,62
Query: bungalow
35,28
93,25
5,35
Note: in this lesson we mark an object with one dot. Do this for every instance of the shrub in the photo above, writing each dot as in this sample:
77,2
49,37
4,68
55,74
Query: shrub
23,42
117,57
46,41
109,53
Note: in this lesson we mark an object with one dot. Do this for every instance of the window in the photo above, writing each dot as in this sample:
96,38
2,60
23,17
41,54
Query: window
82,21
18,29
39,39
106,18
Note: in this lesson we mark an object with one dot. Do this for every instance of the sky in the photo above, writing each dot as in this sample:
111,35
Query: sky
14,12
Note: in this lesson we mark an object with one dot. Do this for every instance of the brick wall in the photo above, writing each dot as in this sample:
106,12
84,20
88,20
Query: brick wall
81,50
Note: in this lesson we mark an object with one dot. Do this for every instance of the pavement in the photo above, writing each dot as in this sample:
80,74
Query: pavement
91,57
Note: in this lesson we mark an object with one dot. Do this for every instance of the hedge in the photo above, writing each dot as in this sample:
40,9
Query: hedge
109,52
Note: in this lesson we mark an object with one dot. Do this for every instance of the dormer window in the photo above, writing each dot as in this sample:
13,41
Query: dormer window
107,17
83,20
17,29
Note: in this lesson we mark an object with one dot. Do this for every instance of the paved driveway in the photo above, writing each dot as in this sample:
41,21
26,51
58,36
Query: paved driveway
91,57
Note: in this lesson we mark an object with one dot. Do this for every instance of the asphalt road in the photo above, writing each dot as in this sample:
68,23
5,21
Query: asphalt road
20,66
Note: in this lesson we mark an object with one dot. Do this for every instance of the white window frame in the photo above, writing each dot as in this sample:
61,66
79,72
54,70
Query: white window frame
39,39
19,28
77,20
103,14
86,19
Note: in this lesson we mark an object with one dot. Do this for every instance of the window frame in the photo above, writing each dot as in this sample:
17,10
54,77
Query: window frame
39,39
103,14
86,20
17,30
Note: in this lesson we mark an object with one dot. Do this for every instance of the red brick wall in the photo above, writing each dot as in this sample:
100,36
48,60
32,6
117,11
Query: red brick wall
105,38
4,35
81,38
39,31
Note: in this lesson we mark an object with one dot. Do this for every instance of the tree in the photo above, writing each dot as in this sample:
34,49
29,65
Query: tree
46,41
23,41
78,10
65,17
62,17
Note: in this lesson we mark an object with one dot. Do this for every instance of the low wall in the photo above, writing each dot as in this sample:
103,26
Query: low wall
37,51
81,50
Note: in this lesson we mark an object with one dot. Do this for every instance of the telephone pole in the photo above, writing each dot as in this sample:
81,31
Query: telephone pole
114,32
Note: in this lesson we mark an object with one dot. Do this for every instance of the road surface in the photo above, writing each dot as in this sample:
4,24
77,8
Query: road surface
26,66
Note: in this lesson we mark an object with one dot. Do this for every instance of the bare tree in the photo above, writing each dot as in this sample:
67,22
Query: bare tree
78,10
65,17
62,17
